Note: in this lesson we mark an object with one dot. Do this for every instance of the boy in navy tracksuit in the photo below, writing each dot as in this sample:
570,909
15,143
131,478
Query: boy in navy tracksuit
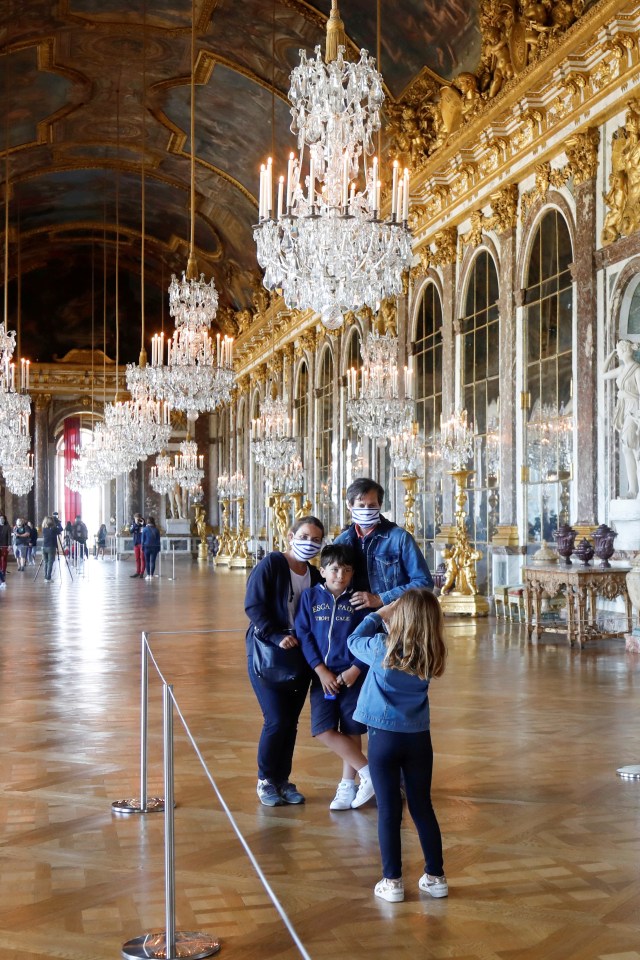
324,620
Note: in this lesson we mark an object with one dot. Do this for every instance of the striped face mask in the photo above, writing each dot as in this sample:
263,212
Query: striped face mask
304,549
365,516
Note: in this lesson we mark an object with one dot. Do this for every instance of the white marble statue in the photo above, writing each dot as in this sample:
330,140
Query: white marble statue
178,502
626,419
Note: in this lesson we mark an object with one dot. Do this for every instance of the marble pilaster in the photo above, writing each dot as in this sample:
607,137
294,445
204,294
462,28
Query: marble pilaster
585,386
41,458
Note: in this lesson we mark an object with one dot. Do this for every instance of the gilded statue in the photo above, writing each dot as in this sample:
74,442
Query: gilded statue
388,317
623,196
414,123
201,522
460,568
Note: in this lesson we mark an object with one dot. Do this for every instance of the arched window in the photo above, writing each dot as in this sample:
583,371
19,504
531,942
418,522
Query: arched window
257,483
480,391
301,411
427,366
327,460
548,337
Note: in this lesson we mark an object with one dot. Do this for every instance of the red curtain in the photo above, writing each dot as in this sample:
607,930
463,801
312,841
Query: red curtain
72,500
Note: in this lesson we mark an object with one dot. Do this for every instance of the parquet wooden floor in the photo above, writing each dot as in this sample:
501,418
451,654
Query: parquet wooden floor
542,840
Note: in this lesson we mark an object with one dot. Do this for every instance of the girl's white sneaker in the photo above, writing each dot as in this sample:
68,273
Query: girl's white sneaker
391,890
436,886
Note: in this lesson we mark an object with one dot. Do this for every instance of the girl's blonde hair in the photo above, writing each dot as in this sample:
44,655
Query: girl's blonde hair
416,643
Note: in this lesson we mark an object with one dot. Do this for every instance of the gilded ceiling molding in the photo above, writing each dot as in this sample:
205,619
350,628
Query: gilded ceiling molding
623,196
555,93
45,48
582,154
203,18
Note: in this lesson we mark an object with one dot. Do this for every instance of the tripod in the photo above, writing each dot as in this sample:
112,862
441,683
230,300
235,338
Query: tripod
59,550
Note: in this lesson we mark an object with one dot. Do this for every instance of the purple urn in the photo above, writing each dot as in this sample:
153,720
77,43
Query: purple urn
584,551
565,537
603,538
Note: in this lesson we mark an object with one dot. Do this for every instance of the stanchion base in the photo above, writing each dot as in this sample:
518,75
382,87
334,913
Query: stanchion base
631,772
154,805
187,943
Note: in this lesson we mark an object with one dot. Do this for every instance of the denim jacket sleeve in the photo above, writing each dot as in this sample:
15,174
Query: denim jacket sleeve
368,641
304,630
414,567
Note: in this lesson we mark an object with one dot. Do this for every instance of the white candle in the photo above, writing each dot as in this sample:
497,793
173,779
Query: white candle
280,196
269,186
394,192
261,208
289,181
218,348
352,198
405,204
378,185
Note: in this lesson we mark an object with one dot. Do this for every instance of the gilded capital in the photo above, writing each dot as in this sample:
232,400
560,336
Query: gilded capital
582,153
504,207
623,196
473,236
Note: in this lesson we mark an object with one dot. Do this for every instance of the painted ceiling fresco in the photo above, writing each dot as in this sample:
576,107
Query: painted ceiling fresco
76,111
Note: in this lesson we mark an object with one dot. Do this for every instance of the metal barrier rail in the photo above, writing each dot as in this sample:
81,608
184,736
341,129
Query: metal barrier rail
170,944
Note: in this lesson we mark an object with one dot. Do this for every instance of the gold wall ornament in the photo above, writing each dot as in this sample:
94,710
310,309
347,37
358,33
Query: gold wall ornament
623,196
546,177
504,209
305,345
388,317
473,236
459,594
414,122
582,154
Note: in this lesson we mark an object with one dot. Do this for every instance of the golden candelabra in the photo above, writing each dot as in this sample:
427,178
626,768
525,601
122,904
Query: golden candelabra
223,556
202,530
410,484
239,554
459,593
279,505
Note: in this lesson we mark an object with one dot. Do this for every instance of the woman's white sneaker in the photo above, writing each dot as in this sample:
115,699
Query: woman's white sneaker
391,890
435,886
345,795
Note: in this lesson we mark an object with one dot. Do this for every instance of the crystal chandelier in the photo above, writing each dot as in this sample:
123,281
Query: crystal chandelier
19,476
456,440
141,423
189,466
324,243
407,450
272,442
162,475
374,405
294,476
197,376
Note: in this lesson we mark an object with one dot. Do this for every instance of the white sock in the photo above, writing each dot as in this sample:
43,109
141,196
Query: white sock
347,783
363,772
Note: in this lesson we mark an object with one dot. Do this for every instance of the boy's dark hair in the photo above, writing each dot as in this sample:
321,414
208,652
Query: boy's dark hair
339,553
361,486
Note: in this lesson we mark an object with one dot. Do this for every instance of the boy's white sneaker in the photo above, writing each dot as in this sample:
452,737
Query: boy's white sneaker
436,886
365,792
345,795
391,890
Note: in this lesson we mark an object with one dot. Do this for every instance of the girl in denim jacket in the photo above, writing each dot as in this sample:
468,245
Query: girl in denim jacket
404,647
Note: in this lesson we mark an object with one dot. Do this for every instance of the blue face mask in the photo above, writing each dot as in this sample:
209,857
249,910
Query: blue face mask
365,516
304,549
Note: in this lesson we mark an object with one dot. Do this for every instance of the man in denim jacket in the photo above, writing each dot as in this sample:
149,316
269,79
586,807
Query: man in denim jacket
388,560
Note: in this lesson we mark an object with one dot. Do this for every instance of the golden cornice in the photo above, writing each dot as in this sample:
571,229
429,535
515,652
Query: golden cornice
562,93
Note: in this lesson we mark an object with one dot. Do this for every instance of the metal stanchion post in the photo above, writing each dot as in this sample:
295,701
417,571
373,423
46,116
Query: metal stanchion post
167,944
173,561
145,804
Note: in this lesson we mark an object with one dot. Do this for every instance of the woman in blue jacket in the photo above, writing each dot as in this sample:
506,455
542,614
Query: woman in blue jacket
151,546
273,592
404,647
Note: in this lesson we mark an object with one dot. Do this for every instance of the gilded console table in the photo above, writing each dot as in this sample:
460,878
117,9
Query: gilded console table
581,586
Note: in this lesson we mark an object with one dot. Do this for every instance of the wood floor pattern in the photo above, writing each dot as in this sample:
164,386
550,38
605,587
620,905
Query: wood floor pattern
542,840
